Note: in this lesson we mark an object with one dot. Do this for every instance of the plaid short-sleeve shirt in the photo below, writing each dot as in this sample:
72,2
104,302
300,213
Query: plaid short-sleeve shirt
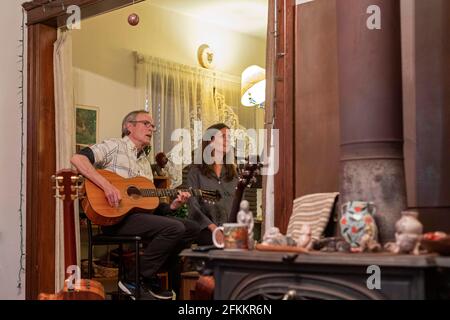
121,156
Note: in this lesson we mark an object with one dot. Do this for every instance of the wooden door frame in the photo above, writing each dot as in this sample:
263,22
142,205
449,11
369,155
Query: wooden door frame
284,105
41,162
43,19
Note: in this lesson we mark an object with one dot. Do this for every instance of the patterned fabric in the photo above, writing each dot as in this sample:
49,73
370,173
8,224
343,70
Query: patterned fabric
120,156
313,210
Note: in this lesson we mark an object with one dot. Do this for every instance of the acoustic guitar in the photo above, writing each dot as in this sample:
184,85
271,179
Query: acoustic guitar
68,185
138,194
247,177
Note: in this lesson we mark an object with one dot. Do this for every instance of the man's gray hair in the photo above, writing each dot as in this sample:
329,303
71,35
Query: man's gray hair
130,118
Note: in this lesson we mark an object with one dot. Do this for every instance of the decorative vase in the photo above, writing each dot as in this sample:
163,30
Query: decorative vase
409,223
357,223
408,233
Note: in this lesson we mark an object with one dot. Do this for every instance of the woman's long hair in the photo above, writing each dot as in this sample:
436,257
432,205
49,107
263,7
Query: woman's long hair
208,169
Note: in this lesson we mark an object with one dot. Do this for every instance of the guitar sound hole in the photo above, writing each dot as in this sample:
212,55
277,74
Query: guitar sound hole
134,192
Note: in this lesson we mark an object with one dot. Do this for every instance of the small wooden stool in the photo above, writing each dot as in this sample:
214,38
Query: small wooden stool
188,283
164,278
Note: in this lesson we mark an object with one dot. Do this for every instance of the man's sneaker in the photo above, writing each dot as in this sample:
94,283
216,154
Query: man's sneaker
129,289
146,294
157,292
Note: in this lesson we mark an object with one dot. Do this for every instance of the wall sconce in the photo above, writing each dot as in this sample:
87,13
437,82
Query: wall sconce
253,86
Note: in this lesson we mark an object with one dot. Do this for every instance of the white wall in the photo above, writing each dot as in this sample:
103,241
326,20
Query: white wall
114,99
105,43
102,55
10,33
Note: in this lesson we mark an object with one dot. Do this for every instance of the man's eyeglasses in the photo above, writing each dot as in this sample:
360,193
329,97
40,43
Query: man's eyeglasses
146,123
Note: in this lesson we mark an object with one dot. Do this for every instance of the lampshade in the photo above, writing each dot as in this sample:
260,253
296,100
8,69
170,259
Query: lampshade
253,86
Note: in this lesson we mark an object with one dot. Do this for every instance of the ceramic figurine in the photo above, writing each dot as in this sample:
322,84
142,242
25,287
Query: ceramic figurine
357,221
305,236
245,216
274,237
408,233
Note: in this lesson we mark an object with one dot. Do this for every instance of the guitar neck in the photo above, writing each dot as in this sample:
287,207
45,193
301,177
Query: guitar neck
236,203
172,193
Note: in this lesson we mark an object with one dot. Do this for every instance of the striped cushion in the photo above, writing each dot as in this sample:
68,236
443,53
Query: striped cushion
314,210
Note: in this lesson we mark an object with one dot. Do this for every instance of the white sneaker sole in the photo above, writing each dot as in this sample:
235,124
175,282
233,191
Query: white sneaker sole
126,290
157,296
130,294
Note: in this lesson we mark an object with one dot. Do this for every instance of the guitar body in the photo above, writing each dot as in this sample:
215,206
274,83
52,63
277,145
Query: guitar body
99,211
138,194
85,289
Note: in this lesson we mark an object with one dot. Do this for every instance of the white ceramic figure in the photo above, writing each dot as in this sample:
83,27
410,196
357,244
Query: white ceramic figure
408,234
305,236
245,216
274,237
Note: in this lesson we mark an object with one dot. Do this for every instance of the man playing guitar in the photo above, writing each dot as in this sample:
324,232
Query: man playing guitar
167,236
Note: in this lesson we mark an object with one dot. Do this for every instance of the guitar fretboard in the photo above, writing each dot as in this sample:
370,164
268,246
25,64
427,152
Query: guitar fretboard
168,192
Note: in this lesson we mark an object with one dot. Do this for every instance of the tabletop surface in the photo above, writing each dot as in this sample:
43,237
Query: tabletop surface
326,258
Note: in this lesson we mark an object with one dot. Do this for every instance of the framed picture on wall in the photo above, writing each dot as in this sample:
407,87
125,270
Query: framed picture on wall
86,126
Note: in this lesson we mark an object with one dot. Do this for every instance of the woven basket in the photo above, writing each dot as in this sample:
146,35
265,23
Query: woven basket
101,269
106,270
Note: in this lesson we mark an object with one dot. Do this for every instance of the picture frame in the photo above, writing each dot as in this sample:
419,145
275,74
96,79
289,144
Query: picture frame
86,128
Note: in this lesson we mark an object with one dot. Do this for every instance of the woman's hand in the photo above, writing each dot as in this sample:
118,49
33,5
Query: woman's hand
181,199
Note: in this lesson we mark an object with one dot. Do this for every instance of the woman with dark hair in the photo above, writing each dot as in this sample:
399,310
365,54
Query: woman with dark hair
215,171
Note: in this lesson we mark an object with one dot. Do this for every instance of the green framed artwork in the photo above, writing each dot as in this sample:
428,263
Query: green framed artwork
86,125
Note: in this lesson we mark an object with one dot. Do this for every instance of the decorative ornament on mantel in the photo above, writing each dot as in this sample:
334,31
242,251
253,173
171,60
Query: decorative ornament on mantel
408,234
133,19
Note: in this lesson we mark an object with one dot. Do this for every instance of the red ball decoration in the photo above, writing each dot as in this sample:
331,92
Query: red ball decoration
133,19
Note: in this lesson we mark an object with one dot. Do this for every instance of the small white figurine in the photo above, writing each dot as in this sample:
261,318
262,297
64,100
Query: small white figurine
408,234
274,237
245,216
305,236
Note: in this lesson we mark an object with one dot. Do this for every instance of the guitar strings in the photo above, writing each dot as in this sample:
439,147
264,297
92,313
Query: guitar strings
165,192
169,192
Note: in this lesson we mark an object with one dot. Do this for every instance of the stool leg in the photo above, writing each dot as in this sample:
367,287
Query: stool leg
120,276
90,245
121,266
90,261
138,272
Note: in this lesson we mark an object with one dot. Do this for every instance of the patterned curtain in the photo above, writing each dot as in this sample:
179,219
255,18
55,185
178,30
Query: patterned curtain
178,96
